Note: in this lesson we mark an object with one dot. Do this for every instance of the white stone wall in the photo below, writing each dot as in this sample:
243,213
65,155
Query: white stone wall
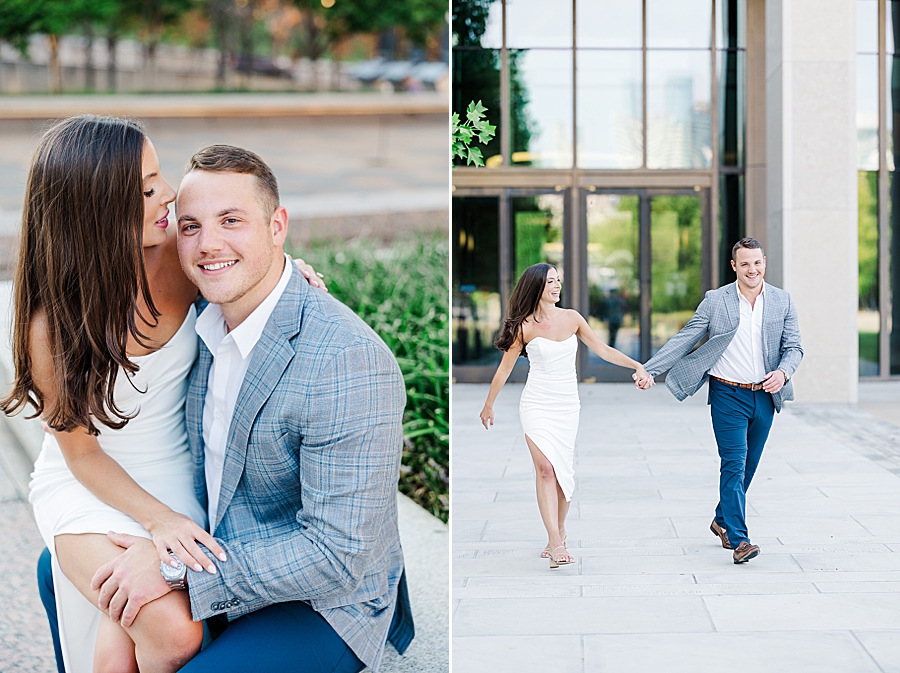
811,186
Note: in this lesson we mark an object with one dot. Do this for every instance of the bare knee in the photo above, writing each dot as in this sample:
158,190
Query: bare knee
165,636
545,472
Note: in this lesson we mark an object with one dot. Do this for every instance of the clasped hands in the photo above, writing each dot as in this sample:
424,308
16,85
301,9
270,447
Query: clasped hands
642,379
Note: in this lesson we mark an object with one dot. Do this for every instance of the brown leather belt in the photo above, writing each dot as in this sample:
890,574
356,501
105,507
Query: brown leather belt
750,386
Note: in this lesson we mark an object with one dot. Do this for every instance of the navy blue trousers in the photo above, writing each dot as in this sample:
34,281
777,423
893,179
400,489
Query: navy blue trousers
741,420
281,637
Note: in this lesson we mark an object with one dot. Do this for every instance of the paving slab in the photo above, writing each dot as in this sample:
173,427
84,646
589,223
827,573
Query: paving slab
835,652
652,588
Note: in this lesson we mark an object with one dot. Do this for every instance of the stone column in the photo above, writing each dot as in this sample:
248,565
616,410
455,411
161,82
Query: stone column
811,186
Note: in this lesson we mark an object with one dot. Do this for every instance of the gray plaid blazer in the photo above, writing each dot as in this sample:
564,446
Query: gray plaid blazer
308,504
718,317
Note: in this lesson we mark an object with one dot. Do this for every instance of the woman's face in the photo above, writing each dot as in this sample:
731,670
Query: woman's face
158,194
552,287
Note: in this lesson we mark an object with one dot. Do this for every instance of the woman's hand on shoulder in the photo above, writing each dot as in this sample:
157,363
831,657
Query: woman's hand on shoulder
315,279
178,533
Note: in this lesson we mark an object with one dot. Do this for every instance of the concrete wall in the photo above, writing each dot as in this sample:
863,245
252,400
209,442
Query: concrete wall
811,187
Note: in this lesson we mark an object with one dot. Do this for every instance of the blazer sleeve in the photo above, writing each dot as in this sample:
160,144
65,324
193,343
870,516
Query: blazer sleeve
791,350
349,467
682,343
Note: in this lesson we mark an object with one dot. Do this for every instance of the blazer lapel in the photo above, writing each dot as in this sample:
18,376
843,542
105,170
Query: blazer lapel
271,356
194,417
768,298
733,307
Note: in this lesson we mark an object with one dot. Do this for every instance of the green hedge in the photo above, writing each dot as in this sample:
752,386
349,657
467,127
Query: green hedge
401,291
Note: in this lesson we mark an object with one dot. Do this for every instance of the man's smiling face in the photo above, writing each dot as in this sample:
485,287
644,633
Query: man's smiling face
229,246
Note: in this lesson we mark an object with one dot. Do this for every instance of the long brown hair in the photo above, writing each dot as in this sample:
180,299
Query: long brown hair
523,302
81,261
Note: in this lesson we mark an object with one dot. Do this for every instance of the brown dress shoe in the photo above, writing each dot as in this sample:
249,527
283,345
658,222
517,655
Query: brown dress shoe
720,532
744,552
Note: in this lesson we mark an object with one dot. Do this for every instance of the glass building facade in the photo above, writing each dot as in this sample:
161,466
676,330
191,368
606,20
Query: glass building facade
877,109
620,157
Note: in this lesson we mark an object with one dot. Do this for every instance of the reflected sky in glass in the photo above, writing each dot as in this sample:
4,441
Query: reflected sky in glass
867,26
609,23
538,23
546,78
609,109
681,24
493,32
678,105
867,112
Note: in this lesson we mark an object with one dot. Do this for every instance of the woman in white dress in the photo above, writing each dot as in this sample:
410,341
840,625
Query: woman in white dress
103,343
546,334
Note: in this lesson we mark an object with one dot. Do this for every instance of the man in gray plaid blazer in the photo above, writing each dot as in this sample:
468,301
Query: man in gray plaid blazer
752,351
294,413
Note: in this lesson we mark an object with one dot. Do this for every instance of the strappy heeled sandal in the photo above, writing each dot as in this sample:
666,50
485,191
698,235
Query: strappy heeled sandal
546,552
557,560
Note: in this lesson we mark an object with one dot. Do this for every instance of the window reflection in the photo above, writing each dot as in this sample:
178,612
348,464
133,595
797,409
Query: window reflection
867,112
613,278
731,24
537,232
476,77
868,317
732,226
476,280
678,108
676,252
732,87
478,24
609,23
682,24
867,26
610,124
538,23
541,102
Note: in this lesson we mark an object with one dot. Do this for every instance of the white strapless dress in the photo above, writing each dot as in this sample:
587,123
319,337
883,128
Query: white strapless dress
152,448
549,407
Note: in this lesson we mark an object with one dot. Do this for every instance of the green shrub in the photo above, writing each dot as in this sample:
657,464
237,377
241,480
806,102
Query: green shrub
401,291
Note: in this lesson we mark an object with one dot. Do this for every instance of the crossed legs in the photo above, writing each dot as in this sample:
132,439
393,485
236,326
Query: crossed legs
163,637
552,501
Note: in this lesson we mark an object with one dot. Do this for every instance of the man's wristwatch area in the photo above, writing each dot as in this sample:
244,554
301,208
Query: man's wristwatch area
175,576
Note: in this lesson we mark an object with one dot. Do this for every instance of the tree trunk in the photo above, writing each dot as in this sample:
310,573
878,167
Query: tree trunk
90,79
219,17
150,64
55,71
112,42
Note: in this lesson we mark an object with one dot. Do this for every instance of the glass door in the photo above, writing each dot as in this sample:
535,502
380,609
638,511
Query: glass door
495,238
676,273
647,266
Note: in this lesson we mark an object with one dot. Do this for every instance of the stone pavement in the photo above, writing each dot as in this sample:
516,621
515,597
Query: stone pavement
652,588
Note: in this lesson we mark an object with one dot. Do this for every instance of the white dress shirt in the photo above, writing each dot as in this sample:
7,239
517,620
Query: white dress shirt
742,361
231,353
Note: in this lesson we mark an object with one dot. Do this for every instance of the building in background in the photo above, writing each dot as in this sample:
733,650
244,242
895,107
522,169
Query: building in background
639,139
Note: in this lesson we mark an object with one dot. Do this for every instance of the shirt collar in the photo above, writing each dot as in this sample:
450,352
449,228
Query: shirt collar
741,294
211,327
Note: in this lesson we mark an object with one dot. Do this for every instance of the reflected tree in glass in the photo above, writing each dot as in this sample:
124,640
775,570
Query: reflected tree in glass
612,273
476,71
538,236
869,316
676,274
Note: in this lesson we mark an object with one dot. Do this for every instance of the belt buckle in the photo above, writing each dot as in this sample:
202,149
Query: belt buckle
756,386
